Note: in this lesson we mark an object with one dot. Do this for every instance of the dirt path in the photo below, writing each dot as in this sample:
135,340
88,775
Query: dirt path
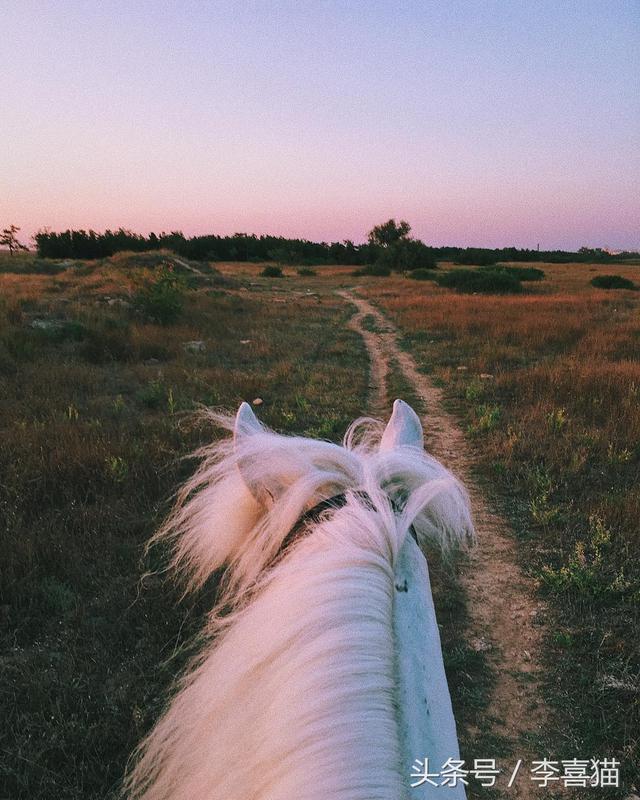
502,604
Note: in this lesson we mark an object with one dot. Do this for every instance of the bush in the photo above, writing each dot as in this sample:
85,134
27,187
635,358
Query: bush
482,281
162,299
521,273
477,256
423,274
612,282
305,272
271,271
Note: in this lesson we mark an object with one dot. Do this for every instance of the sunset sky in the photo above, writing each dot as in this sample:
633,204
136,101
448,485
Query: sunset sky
481,123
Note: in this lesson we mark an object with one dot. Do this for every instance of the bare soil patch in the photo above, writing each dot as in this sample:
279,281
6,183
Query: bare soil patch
504,611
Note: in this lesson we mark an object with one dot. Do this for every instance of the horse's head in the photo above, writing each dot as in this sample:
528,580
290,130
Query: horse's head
253,488
327,669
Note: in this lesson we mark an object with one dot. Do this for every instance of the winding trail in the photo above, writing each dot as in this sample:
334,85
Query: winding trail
501,598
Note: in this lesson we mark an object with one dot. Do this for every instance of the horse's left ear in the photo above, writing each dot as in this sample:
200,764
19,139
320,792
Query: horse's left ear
247,424
403,429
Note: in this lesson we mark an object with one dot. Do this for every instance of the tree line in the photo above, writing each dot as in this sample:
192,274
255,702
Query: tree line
388,244
83,244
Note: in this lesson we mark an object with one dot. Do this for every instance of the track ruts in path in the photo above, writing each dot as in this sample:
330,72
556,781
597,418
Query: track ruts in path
501,599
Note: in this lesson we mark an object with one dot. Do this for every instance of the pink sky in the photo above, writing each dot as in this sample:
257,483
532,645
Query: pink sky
494,126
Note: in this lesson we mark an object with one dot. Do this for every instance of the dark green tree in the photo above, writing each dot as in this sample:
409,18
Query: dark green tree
406,255
389,232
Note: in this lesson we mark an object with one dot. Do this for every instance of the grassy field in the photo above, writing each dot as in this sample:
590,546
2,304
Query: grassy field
95,402
547,384
94,422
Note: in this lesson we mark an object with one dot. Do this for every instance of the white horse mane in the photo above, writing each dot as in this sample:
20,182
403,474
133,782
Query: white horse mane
293,694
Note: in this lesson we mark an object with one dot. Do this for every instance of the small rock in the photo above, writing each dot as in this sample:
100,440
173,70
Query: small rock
258,401
118,301
47,324
245,341
197,346
611,682
462,369
485,376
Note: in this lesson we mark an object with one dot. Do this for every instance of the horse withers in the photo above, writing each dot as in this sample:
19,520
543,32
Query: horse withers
320,672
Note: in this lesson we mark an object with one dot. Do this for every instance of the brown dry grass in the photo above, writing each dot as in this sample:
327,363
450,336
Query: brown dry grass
93,427
548,384
94,420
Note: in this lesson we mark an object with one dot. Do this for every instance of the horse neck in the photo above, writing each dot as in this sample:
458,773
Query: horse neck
299,692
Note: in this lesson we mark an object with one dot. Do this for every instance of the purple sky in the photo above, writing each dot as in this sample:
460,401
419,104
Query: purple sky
481,123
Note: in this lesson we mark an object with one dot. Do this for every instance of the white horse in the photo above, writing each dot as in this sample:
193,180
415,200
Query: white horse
320,675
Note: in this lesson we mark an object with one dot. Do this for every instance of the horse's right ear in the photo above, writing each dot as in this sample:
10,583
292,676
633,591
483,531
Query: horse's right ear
247,424
404,428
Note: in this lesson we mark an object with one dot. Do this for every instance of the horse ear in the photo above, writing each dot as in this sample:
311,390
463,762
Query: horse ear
403,429
247,424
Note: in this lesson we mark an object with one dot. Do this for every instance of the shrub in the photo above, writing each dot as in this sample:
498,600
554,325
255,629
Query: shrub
422,274
305,272
483,281
271,271
162,299
612,282
526,273
521,273
476,256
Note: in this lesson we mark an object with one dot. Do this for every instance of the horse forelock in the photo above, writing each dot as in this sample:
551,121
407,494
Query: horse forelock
218,521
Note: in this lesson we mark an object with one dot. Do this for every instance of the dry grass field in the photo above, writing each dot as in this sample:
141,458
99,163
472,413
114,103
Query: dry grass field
95,402
547,384
94,420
